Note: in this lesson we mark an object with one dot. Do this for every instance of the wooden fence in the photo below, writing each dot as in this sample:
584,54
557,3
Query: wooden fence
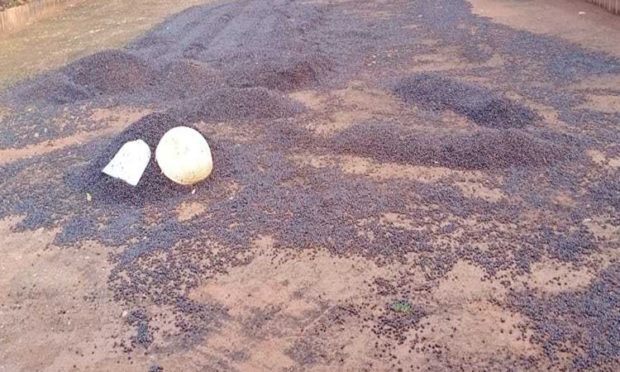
611,5
16,18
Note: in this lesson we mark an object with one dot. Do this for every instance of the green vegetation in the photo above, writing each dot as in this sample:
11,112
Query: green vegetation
402,307
5,4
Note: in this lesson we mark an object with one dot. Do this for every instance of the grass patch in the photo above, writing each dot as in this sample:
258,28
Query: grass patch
6,4
401,307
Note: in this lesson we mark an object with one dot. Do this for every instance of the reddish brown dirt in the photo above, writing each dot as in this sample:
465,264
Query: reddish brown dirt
349,224
560,18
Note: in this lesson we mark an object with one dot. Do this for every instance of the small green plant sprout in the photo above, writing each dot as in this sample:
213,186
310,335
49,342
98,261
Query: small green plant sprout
401,307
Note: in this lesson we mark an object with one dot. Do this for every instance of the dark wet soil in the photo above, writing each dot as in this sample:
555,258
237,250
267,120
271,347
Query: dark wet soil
233,65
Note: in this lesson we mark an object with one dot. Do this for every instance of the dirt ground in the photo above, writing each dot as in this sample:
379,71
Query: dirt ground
560,18
398,185
82,28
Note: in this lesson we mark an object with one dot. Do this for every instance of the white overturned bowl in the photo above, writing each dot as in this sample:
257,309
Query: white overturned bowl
184,156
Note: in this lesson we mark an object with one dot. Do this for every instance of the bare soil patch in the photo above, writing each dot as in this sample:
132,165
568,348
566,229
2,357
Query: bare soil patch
368,210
